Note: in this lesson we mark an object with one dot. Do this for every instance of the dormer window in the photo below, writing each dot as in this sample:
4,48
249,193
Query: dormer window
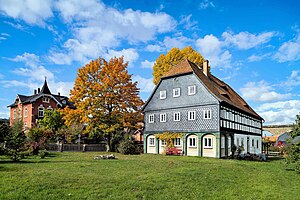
163,94
176,92
46,99
192,90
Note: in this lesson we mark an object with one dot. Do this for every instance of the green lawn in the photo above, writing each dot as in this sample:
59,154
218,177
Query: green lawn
77,176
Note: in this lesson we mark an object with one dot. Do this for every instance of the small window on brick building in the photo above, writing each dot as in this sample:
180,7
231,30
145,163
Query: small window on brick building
25,112
41,112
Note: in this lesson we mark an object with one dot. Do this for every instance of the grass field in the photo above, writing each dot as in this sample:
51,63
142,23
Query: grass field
77,176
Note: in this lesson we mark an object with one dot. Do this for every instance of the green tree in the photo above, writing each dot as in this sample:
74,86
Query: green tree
53,120
70,133
15,141
38,137
164,63
293,149
106,98
4,131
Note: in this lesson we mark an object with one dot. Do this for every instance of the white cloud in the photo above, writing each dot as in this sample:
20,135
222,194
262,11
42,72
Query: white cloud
281,112
289,51
130,55
188,23
154,48
28,59
145,85
36,74
212,49
97,28
4,113
206,4
177,41
255,58
261,92
33,12
147,64
5,34
293,80
246,40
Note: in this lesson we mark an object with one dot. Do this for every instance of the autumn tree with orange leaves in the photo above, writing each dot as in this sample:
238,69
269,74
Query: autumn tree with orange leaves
106,98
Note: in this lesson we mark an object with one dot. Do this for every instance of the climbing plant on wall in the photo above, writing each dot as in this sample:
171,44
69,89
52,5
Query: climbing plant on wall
169,138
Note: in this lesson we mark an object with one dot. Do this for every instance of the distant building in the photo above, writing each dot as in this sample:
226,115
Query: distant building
31,108
211,116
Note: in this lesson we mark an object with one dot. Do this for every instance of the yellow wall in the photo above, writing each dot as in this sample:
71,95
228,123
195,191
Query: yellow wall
192,151
209,152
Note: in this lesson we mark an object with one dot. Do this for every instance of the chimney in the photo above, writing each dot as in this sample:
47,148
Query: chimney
35,91
205,67
59,94
39,90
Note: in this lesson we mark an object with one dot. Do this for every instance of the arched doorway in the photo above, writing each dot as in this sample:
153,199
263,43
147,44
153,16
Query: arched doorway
151,144
192,147
209,146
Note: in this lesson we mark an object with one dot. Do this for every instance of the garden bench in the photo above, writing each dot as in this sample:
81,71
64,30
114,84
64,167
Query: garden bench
174,151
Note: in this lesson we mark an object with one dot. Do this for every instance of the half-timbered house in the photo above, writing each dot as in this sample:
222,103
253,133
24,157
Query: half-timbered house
211,116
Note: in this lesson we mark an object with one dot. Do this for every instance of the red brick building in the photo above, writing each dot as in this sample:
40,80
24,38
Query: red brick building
31,108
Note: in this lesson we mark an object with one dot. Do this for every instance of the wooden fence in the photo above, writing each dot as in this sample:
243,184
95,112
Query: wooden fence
76,147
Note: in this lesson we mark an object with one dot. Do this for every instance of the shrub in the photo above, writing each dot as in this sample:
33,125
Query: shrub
126,147
293,156
37,139
43,153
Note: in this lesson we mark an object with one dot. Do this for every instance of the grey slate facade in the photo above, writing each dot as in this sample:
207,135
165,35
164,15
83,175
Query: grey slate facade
215,115
198,102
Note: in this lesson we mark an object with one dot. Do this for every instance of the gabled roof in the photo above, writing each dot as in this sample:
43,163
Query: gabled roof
45,91
222,91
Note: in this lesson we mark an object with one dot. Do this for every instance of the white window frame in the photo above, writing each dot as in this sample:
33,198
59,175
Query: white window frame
151,118
25,126
41,111
176,119
207,114
163,117
176,92
189,115
46,99
25,111
163,94
151,141
192,90
207,144
163,142
15,114
177,142
192,142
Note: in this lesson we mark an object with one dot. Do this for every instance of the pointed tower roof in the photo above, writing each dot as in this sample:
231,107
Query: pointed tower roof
45,88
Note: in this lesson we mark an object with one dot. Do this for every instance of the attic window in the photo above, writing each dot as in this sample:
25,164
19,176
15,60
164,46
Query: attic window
46,99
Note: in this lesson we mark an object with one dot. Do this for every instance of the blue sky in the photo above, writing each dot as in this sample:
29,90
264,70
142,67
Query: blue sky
254,46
